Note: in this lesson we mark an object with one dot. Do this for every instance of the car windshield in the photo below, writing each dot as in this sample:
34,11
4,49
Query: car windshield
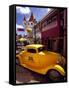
41,49
31,50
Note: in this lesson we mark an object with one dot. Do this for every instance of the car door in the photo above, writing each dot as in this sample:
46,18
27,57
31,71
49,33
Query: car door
30,57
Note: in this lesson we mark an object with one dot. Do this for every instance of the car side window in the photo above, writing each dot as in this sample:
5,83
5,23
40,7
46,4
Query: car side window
31,50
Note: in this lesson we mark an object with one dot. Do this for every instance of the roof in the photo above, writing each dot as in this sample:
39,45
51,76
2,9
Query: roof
32,17
34,45
24,18
48,14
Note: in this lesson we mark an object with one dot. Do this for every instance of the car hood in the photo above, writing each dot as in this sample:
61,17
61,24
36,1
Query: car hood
48,57
48,53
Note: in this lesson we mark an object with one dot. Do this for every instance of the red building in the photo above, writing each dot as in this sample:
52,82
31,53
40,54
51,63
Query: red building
53,29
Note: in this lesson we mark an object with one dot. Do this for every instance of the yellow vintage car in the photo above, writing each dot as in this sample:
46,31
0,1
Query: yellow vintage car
36,58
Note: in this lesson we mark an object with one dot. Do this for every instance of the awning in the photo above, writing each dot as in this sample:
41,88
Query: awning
22,39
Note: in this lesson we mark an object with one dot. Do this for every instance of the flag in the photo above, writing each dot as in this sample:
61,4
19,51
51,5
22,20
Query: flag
20,29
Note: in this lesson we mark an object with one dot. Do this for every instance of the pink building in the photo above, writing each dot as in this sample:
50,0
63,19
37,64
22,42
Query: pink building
53,29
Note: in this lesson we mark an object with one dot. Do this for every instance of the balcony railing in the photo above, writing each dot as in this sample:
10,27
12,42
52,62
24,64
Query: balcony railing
49,26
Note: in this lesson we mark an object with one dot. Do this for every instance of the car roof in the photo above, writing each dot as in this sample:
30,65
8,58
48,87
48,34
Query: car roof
34,46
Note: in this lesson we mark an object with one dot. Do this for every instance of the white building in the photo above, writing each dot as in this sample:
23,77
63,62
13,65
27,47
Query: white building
29,24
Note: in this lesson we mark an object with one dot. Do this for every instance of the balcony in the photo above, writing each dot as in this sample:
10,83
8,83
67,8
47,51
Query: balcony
49,26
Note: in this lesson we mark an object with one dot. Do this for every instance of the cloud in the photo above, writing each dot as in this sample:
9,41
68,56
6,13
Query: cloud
23,10
48,9
19,26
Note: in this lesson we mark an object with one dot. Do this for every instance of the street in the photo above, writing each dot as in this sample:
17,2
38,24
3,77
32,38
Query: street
24,75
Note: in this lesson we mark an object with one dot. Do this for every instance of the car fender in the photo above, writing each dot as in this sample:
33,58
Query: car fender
57,68
60,69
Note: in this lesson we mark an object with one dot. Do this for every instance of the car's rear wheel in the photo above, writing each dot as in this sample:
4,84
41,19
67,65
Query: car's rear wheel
54,76
17,61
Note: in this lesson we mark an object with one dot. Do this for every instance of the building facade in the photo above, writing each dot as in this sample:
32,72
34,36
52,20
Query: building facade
28,25
53,30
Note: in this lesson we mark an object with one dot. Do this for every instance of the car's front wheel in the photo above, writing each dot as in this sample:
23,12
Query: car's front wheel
54,76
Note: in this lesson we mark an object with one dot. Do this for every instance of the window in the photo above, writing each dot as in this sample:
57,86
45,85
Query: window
31,23
43,25
41,49
31,50
47,22
54,18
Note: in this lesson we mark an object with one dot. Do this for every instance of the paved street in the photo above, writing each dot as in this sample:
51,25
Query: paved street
24,75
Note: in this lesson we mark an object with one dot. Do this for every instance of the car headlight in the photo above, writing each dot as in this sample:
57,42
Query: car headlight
61,61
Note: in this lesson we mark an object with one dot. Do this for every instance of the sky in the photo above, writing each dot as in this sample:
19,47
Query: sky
38,13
